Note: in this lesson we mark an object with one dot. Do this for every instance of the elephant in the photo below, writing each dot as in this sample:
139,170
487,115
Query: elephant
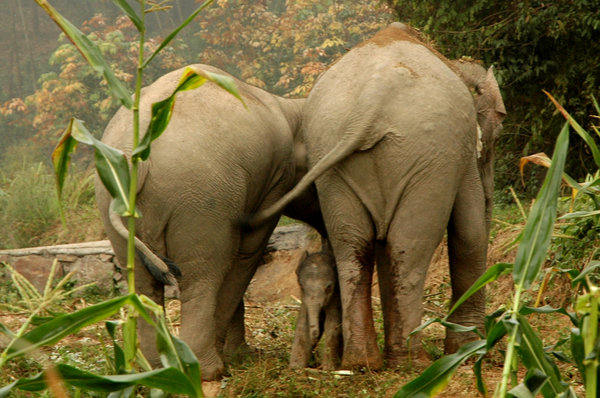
215,161
320,314
391,133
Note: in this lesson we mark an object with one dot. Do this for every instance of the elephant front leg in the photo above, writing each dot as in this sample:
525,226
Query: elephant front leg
301,347
467,250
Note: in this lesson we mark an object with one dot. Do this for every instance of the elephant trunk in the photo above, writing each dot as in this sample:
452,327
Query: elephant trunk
314,331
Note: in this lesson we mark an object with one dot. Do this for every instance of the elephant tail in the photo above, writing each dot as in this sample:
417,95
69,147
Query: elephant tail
161,268
344,148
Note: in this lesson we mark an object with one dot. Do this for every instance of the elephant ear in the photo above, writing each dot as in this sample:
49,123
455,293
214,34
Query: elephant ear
302,258
492,91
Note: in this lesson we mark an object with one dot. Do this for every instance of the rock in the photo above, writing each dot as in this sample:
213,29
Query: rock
66,258
36,269
91,269
291,237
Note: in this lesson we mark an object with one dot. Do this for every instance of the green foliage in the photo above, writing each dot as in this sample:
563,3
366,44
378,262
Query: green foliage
534,45
29,209
284,46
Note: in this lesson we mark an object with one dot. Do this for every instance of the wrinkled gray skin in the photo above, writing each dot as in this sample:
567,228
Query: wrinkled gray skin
320,314
215,162
391,135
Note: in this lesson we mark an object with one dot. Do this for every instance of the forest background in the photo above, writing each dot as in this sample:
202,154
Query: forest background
281,46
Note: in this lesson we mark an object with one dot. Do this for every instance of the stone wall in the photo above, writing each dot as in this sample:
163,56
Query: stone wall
96,262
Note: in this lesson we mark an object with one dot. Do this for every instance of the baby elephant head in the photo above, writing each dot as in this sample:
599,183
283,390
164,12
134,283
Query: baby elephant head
318,281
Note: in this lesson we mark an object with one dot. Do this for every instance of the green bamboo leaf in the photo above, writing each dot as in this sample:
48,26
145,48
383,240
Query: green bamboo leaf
131,14
532,354
64,325
167,379
172,35
578,129
492,273
90,52
435,378
540,223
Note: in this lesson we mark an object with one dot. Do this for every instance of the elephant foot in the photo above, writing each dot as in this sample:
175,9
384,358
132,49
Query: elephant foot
212,369
401,357
455,340
355,358
239,354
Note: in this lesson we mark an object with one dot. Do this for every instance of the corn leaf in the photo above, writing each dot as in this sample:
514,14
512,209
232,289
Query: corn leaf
578,129
162,111
490,275
590,267
90,52
540,223
119,354
172,35
541,159
435,378
111,163
546,309
534,357
131,14
167,379
534,381
481,387
64,325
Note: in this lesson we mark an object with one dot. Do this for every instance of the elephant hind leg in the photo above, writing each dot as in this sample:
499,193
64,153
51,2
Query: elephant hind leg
467,250
352,235
402,263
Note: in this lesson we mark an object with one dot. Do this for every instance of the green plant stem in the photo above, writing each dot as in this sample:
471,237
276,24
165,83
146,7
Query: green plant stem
129,331
590,333
510,349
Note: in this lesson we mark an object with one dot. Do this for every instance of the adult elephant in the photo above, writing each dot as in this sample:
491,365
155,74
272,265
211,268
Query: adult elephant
391,134
216,161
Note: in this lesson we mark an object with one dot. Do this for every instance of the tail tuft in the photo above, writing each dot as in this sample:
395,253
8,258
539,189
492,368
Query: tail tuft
166,277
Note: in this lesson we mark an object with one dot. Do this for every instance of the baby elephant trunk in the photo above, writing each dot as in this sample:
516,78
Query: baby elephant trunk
314,314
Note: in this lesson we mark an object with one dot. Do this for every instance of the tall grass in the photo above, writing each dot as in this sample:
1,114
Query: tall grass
29,208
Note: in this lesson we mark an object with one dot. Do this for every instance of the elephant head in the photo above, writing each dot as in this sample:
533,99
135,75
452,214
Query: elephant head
490,114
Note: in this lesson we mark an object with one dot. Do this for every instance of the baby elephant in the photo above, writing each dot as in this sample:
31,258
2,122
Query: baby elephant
320,313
